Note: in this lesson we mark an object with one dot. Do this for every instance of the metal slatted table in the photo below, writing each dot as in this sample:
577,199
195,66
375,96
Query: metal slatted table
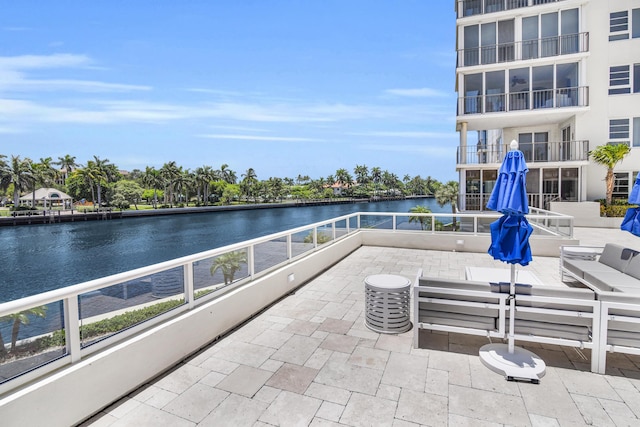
387,300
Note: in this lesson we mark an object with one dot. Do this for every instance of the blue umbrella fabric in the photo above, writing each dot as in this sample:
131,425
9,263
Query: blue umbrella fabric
510,234
631,221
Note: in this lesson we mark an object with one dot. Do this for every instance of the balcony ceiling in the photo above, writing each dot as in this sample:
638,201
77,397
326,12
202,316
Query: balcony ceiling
514,119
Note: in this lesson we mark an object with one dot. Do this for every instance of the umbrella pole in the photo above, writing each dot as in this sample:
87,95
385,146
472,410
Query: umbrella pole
512,309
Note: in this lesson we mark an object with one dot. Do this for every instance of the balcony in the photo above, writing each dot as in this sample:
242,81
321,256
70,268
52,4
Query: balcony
479,7
81,350
524,50
543,99
534,152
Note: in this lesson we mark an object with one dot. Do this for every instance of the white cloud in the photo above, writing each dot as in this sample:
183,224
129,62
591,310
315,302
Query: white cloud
257,138
424,92
43,61
443,150
408,134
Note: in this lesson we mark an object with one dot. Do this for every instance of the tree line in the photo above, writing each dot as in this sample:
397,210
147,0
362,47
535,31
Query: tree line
103,184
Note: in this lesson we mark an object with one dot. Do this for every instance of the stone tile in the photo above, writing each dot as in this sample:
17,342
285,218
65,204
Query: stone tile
297,350
406,371
196,402
318,358
335,310
349,377
592,411
588,384
542,421
301,327
335,326
437,382
219,365
245,354
341,343
99,420
293,378
245,380
388,392
364,410
279,413
235,410
271,338
267,394
422,408
457,365
213,378
145,415
487,406
330,411
328,393
180,379
369,357
271,365
395,343
460,421
161,398
122,407
550,398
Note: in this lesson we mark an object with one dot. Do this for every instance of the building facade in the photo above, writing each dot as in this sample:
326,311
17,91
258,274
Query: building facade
561,77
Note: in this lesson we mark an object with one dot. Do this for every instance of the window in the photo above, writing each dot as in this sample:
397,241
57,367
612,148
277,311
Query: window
636,78
619,80
636,132
635,17
620,185
494,82
619,25
619,131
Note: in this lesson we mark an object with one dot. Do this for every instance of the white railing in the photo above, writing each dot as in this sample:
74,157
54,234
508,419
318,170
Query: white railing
47,331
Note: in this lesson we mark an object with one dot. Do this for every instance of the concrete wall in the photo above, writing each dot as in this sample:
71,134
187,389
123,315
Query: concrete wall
80,390
540,245
585,214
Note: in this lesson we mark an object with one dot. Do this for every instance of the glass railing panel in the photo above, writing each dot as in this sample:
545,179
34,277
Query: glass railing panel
214,273
379,222
302,242
463,224
353,223
269,254
324,234
415,222
484,224
30,339
108,311
341,228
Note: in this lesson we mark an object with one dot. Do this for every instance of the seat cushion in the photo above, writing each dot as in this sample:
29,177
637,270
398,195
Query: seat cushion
609,280
579,266
553,330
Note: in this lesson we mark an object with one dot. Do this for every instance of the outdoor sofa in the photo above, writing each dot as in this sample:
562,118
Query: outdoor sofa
612,268
546,314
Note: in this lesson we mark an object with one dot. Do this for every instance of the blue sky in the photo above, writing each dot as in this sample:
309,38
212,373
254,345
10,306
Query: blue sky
286,87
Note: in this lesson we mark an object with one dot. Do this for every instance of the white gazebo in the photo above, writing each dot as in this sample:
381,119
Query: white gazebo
47,197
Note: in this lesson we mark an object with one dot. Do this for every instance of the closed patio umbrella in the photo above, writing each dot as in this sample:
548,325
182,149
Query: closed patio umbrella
631,221
510,243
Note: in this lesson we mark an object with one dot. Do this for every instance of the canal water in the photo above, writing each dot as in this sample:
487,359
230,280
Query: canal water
39,258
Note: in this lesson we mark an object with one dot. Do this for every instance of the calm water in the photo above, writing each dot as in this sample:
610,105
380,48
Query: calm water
38,258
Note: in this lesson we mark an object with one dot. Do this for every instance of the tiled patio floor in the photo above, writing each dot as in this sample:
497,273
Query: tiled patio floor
310,360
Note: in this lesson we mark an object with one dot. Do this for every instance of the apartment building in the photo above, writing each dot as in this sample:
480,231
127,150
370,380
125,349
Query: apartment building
561,77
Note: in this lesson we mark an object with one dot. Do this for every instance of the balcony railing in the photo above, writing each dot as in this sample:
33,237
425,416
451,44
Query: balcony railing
478,202
534,152
65,326
523,50
479,7
525,100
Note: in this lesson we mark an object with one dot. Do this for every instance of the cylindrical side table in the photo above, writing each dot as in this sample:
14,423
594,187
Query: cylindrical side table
387,301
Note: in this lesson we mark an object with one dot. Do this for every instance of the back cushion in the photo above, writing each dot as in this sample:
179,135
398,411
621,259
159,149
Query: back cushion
616,256
633,268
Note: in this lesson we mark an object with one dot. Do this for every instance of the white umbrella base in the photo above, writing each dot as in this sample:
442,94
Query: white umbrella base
519,365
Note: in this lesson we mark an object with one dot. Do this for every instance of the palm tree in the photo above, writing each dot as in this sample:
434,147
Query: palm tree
448,194
248,183
376,176
170,171
19,173
102,172
152,177
43,174
608,156
182,184
229,264
17,319
68,164
425,221
203,176
362,174
343,177
226,174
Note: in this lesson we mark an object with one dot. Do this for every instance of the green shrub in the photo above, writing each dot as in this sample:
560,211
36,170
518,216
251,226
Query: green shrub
614,210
